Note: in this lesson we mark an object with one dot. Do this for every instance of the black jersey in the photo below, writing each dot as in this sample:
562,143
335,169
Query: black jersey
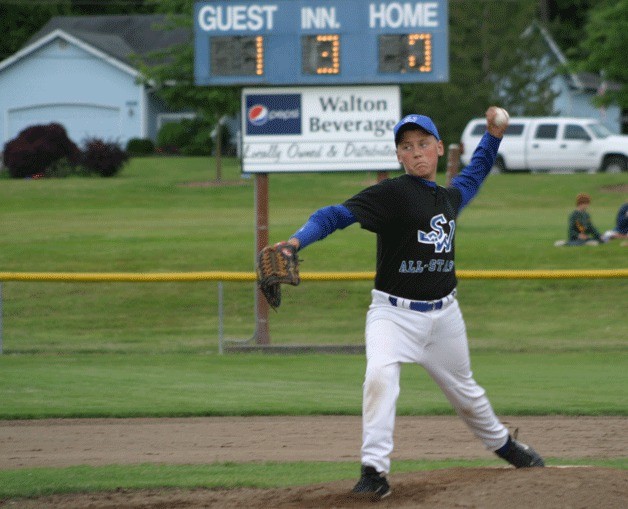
415,226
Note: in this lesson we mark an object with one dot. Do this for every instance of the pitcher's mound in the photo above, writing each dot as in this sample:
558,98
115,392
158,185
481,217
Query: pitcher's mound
481,488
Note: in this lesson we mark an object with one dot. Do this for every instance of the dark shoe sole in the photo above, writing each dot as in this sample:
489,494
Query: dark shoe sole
369,496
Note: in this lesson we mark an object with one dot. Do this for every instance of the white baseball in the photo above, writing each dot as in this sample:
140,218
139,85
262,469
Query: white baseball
501,117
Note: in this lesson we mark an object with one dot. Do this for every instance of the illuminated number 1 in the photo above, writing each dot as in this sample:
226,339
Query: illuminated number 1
237,55
259,55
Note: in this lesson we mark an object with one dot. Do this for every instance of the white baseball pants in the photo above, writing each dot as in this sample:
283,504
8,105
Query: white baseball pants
436,340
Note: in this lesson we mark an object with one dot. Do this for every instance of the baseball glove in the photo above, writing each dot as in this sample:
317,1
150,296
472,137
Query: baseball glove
277,265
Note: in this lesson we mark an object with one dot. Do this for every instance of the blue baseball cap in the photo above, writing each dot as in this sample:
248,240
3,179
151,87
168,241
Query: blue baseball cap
421,121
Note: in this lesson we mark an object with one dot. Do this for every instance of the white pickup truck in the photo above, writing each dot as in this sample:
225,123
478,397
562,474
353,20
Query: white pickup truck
552,144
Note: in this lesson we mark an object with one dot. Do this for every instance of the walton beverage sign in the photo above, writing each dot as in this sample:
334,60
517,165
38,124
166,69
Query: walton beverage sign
319,129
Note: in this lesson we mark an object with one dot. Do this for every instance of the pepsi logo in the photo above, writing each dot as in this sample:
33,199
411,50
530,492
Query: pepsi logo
258,114
271,114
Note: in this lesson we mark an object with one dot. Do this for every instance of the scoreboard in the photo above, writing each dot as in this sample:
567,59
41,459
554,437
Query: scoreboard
318,42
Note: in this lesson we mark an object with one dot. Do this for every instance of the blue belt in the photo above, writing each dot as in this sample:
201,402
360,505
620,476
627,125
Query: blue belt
423,305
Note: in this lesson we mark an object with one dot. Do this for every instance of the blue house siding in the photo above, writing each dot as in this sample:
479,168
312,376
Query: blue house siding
571,102
61,82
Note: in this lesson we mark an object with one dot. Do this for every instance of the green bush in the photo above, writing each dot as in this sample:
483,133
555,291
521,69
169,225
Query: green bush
140,147
190,137
66,168
172,136
200,145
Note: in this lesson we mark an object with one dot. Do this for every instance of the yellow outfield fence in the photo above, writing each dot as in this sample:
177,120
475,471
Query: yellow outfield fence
224,276
148,277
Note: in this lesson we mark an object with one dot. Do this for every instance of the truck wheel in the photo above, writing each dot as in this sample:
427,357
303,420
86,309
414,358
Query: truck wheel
614,164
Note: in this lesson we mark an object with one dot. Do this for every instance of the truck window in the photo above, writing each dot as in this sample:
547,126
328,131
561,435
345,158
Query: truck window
599,130
511,130
479,129
546,131
575,132
514,130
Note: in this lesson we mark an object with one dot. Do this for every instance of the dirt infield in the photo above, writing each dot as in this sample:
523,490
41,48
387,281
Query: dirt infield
60,443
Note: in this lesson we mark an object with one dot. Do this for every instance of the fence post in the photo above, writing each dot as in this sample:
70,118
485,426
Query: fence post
0,317
220,322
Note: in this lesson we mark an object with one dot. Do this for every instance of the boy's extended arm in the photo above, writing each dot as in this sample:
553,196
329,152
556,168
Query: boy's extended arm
469,180
322,223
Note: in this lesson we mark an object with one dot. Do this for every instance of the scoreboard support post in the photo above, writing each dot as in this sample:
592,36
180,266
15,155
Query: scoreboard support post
262,329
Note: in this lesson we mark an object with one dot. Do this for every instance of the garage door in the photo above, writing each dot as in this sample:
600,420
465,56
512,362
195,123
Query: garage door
81,121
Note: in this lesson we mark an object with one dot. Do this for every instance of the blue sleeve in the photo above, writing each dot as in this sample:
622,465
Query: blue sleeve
323,222
469,180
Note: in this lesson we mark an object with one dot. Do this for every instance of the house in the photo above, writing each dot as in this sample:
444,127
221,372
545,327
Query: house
78,71
575,91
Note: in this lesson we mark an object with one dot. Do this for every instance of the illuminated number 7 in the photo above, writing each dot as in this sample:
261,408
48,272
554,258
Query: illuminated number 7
420,52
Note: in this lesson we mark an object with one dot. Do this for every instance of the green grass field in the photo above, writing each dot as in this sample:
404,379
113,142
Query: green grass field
155,217
162,385
71,349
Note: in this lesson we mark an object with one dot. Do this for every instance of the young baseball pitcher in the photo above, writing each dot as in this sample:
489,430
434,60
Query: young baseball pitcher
414,316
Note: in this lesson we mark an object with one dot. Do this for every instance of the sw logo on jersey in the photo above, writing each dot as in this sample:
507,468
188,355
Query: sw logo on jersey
442,241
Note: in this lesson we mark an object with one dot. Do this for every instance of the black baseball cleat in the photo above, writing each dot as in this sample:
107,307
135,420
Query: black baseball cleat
372,484
520,455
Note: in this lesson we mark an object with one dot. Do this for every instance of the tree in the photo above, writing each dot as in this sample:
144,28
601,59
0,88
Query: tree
20,19
565,20
107,7
604,45
171,71
18,22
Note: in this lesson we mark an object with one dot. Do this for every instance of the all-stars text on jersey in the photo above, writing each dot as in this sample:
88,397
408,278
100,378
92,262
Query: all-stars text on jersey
418,267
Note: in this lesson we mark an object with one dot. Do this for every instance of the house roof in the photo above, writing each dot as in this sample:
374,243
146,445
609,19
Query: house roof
120,36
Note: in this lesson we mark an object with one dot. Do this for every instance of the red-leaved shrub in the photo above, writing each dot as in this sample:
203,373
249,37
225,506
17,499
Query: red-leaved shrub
104,158
36,148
